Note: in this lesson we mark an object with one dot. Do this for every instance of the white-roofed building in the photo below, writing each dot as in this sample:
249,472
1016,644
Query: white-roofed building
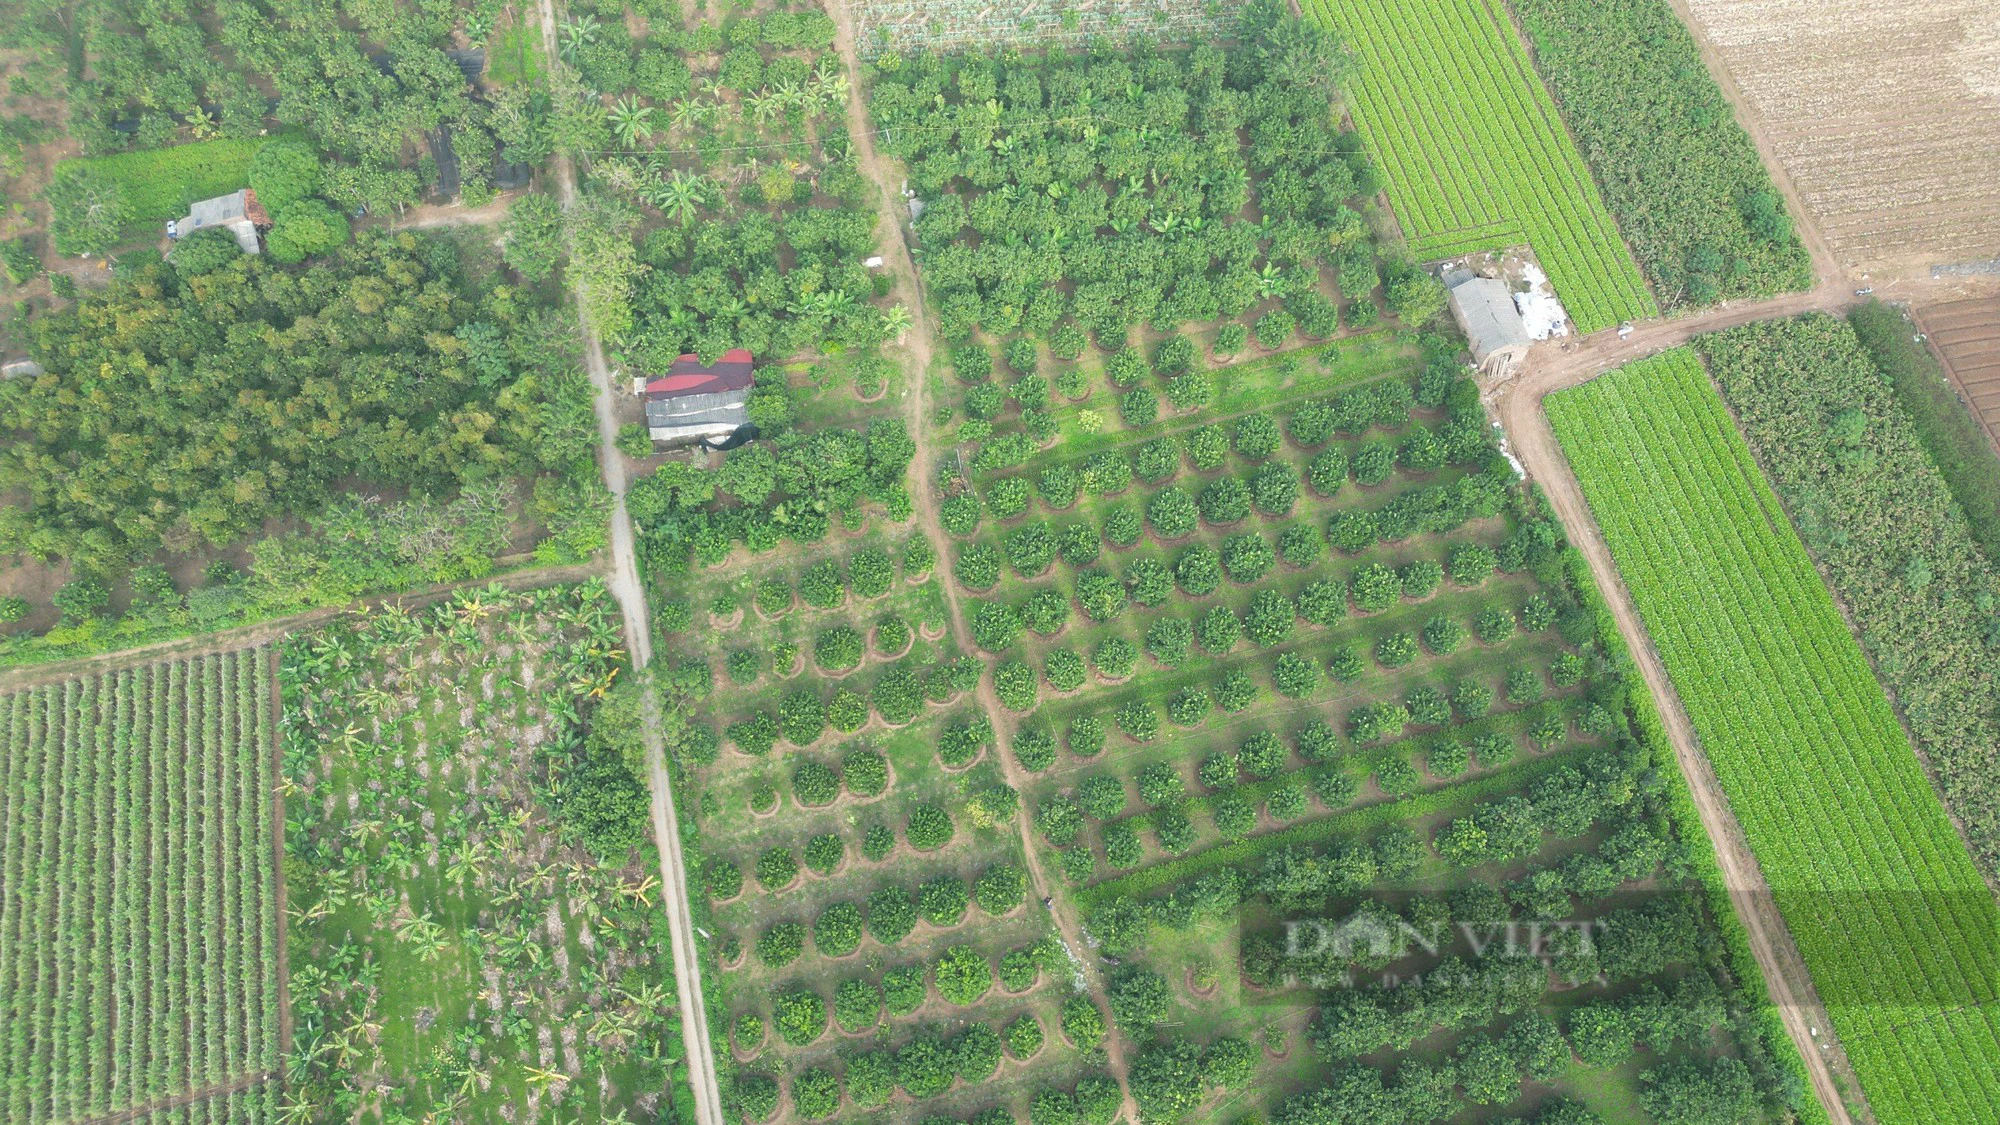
1485,312
238,212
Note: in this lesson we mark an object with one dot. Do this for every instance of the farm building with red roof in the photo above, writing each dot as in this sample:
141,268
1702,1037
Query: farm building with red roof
696,401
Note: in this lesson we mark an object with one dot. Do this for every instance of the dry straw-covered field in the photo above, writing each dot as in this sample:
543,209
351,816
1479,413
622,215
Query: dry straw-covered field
1885,113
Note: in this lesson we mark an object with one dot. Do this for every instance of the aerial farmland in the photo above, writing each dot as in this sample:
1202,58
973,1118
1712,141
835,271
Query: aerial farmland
934,563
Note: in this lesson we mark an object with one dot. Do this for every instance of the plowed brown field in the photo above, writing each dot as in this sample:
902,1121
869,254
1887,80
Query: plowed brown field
1885,114
1967,335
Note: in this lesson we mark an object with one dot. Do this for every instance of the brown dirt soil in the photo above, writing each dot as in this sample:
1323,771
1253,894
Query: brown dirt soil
431,216
1882,114
1965,337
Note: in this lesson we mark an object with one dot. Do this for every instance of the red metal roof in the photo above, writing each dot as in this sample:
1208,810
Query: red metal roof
689,376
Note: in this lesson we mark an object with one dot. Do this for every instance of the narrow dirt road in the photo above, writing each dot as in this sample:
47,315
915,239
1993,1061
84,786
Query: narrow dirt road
1519,407
433,216
631,595
916,345
1791,990
1565,363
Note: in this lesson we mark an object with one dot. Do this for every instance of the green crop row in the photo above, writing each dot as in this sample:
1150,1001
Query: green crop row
138,934
1507,779
1473,151
1894,923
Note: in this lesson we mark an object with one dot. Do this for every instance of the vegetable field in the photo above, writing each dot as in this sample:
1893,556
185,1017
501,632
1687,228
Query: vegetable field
1473,151
1893,921
138,924
1877,515
160,183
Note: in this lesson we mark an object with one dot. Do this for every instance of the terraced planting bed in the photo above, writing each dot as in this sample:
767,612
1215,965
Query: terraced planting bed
1891,917
874,925
1308,652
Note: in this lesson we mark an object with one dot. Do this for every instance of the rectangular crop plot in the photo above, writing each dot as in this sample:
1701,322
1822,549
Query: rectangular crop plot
1967,335
476,928
138,921
1885,114
1893,921
1473,151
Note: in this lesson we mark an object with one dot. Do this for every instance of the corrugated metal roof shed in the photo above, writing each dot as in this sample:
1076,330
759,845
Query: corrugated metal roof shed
688,417
694,400
238,212
1484,309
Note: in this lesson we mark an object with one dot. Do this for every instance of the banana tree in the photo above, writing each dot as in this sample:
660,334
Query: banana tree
631,122
1270,281
681,196
577,34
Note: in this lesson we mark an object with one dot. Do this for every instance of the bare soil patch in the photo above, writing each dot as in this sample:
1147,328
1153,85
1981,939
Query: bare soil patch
1885,116
1966,336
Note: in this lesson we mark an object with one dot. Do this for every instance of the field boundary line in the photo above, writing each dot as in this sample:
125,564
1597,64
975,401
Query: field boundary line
272,629
184,1098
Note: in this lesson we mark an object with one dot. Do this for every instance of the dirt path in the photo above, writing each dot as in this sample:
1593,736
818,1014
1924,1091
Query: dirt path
430,216
1519,407
266,632
1565,363
916,345
631,596
186,1097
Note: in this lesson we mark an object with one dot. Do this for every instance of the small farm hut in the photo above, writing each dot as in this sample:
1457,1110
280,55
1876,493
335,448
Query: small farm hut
700,402
238,212
1484,309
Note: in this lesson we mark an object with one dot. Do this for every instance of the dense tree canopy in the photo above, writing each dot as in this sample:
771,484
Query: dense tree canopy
187,411
1110,187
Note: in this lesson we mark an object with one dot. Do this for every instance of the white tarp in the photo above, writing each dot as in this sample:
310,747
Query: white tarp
1541,311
